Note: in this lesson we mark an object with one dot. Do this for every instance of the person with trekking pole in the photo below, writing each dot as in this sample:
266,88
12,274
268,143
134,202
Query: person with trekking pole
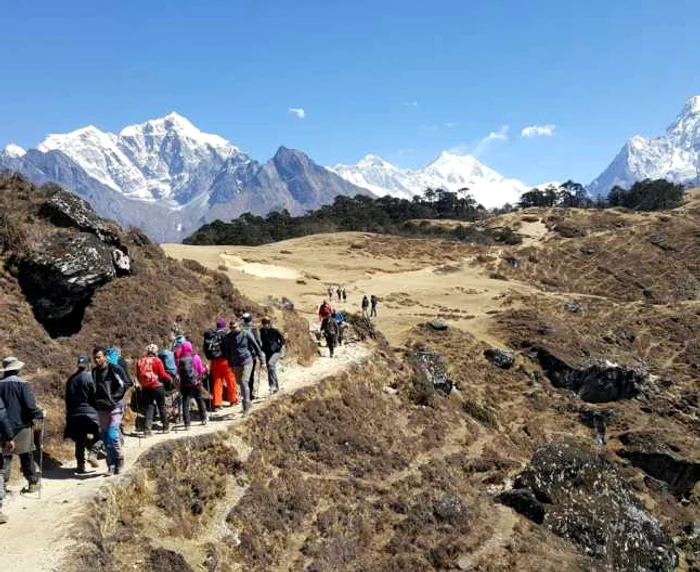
248,326
82,425
22,411
110,388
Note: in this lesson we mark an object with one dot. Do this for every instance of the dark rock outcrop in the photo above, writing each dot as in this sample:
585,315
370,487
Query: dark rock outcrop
502,358
437,325
59,276
660,460
68,210
596,382
432,370
586,501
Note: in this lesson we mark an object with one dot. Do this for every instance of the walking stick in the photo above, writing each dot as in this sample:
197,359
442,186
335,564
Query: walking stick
41,457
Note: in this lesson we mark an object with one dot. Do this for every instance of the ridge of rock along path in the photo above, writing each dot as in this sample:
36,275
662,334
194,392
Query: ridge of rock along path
38,531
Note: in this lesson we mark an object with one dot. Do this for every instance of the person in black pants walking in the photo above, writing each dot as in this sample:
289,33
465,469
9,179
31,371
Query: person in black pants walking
81,415
190,371
273,348
151,374
329,327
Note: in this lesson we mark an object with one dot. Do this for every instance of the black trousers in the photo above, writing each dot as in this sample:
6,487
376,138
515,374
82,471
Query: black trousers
188,394
155,396
85,431
330,341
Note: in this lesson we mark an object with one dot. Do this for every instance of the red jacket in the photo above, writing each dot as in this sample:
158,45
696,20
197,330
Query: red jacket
150,372
325,310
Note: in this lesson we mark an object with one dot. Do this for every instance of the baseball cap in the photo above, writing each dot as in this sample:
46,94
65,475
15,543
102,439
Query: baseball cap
83,360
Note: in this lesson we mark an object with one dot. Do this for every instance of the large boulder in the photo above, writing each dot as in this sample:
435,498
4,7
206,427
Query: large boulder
587,502
432,371
502,358
68,210
597,381
661,460
60,273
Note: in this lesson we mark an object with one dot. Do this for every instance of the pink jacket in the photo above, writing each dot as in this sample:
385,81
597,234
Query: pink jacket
186,349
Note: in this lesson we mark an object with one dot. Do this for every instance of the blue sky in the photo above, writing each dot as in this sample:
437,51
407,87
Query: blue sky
401,79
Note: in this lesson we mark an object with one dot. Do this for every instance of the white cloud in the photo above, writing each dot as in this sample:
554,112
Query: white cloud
500,135
450,124
410,103
298,111
539,130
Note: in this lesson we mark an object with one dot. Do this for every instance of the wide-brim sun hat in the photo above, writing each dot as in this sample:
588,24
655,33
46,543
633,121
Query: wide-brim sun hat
11,363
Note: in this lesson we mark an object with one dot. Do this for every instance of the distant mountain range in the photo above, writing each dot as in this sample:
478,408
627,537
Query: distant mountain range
674,156
169,178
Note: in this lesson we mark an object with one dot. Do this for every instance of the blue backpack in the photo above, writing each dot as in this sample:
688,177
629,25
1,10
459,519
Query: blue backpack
112,356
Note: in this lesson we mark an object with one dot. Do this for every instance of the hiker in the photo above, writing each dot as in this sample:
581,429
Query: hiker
273,348
339,293
329,327
248,326
345,294
221,375
81,416
191,370
365,306
7,445
324,310
22,411
339,318
373,301
241,347
330,292
110,388
151,376
177,347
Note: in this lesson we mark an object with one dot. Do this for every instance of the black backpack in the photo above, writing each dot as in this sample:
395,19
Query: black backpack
188,377
213,345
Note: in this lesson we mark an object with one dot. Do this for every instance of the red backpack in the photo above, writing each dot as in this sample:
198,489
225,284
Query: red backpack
145,372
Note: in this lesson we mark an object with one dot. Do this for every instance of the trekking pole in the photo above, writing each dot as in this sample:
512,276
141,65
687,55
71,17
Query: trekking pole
41,457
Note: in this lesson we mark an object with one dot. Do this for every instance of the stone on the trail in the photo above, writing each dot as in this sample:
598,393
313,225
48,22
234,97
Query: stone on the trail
502,358
523,501
437,325
390,390
62,272
573,306
593,506
660,460
433,370
68,210
597,381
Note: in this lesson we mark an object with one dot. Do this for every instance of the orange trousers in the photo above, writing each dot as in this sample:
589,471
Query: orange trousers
222,376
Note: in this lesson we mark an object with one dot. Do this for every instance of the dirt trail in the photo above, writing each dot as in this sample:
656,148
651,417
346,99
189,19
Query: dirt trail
38,532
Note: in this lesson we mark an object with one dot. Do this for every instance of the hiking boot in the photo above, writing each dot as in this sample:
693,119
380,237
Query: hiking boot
166,430
187,428
112,470
31,488
80,470
205,420
3,518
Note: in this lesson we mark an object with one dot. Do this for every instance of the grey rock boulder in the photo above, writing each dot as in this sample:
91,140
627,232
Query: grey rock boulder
502,358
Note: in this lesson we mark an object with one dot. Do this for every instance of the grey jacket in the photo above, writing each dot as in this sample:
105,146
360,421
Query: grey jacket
241,347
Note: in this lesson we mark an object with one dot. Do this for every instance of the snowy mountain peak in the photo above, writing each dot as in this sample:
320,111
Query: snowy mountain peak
674,156
373,161
14,151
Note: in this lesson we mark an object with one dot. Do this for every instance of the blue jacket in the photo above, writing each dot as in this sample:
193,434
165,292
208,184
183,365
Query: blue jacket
5,427
241,347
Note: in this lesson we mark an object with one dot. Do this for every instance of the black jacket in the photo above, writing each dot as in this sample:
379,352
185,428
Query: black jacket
5,427
80,395
110,387
20,403
272,341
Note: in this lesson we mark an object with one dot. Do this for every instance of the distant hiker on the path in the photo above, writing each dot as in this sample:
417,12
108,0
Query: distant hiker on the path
151,376
7,445
325,309
81,416
248,326
330,292
365,306
345,294
22,410
329,327
273,348
221,375
191,370
241,347
110,387
373,301
339,293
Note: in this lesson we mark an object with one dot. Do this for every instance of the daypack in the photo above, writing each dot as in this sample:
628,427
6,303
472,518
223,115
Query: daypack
188,377
213,345
168,358
144,372
330,327
112,356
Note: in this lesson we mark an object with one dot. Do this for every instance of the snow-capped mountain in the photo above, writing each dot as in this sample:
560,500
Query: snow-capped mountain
449,171
165,159
674,156
168,177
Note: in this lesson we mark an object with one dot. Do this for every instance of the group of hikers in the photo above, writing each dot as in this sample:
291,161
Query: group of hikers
96,396
339,291
369,306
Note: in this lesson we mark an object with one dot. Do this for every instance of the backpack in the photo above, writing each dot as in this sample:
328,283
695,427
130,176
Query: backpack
112,356
168,358
213,345
330,327
145,374
188,377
